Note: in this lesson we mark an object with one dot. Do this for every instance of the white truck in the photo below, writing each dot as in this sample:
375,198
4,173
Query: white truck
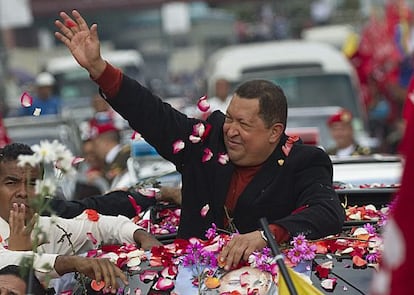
316,78
76,88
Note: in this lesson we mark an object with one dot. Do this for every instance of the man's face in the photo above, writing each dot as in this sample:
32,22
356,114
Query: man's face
342,134
13,284
246,137
17,185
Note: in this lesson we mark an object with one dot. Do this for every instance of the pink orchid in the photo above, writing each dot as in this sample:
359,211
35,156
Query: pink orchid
204,210
178,146
26,100
202,104
208,154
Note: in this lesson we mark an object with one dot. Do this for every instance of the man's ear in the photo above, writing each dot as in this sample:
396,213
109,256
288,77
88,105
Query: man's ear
276,132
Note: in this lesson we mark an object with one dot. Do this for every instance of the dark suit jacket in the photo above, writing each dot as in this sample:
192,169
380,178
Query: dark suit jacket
302,182
113,203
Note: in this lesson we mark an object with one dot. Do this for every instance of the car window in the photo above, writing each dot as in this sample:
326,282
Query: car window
315,90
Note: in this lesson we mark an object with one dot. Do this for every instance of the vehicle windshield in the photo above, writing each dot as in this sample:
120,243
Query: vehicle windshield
313,97
76,84
315,90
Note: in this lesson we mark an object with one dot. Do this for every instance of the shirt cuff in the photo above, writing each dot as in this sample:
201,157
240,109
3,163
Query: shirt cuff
110,81
44,264
280,233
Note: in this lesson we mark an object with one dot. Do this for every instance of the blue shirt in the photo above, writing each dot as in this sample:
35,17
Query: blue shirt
51,106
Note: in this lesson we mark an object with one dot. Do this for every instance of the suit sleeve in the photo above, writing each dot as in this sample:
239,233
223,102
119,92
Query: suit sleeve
113,203
319,212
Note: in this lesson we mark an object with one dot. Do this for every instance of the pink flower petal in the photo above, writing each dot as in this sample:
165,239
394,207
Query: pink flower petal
198,129
178,146
202,104
138,291
164,284
328,284
286,149
70,23
92,238
136,136
244,280
134,204
223,158
26,100
208,154
194,139
204,210
148,275
135,261
77,160
169,272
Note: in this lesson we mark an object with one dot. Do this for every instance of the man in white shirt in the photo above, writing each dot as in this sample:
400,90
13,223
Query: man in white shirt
55,257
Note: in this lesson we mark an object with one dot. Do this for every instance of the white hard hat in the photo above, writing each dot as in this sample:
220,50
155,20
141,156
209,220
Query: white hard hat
45,79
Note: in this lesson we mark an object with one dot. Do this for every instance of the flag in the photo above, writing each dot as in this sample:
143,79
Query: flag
302,286
395,274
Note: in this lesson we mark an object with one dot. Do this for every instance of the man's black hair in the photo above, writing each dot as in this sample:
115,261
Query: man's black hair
15,270
12,151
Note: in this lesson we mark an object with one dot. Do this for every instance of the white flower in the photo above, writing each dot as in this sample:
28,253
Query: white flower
45,187
45,151
23,160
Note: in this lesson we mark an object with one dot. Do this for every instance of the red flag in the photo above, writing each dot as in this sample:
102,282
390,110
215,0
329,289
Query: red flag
395,274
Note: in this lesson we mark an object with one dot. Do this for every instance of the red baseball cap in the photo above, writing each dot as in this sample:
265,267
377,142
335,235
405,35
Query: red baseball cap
343,115
97,129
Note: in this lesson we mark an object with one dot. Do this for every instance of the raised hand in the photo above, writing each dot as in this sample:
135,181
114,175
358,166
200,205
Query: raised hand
94,268
82,41
240,247
20,232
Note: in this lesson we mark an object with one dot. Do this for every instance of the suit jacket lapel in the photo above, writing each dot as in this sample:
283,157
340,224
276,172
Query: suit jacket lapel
221,186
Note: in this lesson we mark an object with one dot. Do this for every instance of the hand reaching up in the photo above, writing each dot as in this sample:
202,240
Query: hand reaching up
82,41
20,232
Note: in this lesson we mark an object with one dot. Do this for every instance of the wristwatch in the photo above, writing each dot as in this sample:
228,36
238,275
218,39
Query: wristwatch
262,233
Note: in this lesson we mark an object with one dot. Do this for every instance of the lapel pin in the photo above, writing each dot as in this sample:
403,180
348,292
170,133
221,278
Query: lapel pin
280,162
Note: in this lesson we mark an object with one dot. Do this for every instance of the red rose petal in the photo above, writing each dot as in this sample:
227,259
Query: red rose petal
97,286
70,23
26,100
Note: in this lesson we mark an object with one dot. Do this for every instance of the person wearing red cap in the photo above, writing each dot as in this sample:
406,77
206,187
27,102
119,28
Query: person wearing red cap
342,132
106,139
